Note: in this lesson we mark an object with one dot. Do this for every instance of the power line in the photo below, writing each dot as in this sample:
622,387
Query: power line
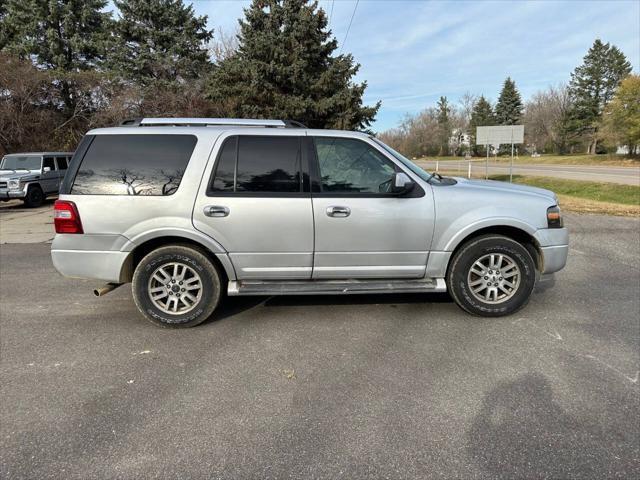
331,12
349,27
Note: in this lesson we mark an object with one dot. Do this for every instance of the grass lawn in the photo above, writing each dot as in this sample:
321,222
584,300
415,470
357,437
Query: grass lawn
608,160
601,192
591,197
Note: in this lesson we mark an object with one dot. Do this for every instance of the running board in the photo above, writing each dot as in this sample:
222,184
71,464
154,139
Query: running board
334,287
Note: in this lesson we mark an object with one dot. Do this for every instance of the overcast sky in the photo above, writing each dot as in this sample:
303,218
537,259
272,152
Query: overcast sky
412,52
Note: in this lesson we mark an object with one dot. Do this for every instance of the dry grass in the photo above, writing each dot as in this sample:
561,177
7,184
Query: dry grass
592,160
582,205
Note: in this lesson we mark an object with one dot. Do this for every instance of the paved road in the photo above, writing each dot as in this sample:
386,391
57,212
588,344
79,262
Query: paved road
405,386
621,175
19,224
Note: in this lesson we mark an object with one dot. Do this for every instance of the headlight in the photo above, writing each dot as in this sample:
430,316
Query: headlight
554,218
13,184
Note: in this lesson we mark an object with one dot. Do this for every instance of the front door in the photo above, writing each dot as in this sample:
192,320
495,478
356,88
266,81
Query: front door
362,230
257,205
49,178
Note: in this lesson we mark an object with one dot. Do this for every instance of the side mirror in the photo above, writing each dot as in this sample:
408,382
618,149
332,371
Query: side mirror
402,183
46,169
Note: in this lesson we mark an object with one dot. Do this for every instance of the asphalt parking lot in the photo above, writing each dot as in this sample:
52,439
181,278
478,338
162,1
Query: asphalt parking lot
403,386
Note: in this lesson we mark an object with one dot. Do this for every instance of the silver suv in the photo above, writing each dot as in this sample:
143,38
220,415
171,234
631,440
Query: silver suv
32,176
190,209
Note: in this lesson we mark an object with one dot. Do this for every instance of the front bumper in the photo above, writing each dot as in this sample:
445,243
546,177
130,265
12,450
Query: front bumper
554,246
6,194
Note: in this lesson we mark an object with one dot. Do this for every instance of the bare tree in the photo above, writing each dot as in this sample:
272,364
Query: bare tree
171,181
545,119
135,182
224,45
467,102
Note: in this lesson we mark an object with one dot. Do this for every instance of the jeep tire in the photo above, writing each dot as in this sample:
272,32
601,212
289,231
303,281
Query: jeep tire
34,197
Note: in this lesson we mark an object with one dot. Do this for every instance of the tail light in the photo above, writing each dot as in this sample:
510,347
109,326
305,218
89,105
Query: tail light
66,217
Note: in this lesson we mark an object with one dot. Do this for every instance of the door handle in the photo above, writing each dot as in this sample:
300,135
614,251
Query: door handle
339,212
216,211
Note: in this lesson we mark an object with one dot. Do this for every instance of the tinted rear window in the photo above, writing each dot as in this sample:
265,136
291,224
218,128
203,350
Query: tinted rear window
134,165
269,164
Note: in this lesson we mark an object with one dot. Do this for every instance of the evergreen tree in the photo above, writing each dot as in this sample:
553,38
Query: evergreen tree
482,115
159,41
62,35
592,86
4,32
444,125
509,106
285,68
65,37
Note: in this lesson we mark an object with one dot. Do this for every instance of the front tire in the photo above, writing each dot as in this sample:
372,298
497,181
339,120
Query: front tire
35,197
491,276
176,287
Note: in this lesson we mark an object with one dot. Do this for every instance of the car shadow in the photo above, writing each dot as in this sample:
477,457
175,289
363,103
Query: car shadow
231,306
18,205
522,432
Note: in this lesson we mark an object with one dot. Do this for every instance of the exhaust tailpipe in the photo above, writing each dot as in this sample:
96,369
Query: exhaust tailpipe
101,291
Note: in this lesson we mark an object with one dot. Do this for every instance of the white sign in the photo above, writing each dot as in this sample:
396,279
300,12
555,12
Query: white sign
502,134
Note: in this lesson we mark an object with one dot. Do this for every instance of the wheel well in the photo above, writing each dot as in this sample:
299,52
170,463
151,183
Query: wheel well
147,247
513,233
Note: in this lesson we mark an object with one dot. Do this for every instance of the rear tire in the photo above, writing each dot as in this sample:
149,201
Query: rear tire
176,287
35,196
491,276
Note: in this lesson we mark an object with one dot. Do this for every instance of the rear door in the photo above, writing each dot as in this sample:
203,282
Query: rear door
361,229
62,164
255,201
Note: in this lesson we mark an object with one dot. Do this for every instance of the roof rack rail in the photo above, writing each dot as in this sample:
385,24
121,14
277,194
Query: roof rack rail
131,122
294,124
203,122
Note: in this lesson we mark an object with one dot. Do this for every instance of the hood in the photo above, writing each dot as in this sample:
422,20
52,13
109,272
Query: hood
492,185
17,174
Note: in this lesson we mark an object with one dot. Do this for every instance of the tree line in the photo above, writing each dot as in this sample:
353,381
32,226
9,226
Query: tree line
67,66
595,112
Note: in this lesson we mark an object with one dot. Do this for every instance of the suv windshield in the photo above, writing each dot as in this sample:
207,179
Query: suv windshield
426,176
24,162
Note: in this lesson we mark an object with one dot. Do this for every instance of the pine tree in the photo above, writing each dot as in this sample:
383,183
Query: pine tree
159,41
592,86
285,68
509,106
63,36
444,125
482,115
66,35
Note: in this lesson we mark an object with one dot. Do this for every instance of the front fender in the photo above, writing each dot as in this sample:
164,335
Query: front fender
458,231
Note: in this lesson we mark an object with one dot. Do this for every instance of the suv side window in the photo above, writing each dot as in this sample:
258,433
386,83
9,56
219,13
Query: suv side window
258,164
48,162
62,163
134,164
352,166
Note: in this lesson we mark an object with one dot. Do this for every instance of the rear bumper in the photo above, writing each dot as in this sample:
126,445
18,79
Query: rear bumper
100,265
